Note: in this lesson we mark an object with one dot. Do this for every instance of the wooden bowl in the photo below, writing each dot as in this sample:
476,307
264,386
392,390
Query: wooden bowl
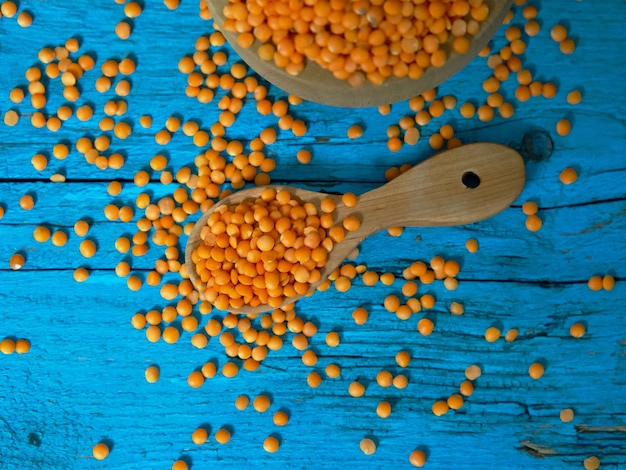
319,85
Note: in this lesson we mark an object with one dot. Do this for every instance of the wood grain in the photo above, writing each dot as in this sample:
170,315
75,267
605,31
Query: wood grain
318,85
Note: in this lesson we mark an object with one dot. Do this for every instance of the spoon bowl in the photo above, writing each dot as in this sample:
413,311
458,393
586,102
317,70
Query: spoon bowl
456,187
316,84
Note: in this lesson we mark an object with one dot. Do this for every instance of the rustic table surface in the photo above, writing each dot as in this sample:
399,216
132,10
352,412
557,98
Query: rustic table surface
82,381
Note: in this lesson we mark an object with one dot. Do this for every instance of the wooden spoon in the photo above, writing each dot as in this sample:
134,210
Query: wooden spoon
319,85
456,187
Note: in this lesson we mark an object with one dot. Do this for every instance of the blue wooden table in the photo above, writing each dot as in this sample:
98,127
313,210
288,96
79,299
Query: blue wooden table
82,381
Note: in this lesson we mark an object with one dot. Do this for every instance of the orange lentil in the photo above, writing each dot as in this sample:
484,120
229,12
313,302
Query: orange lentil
16,95
209,370
314,380
455,401
349,199
466,388
425,326
16,261
440,408
427,301
333,371
567,46
81,228
566,415
391,303
456,308
230,369
11,117
574,97
548,90
368,446
7,346
38,120
435,141
122,269
473,372
485,113
383,409
332,339
506,110
27,202
355,131
608,282
394,144
199,436
387,278
100,451
471,245
22,346
417,458
492,334
242,402
261,403
360,315
304,156
536,370
41,233
530,208
568,176
409,288
132,9
467,110
298,128
595,283
59,238
533,223
271,444
123,30
163,137
138,321
563,127
577,330
395,231
403,358
351,223
356,389
195,379
591,463
451,268
511,335
222,436
145,121
400,381
152,374
153,333
24,18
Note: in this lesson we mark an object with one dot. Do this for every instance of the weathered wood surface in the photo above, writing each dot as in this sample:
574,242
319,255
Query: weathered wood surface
83,379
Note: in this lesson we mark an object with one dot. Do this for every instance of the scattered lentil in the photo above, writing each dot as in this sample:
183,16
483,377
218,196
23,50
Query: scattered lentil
417,458
368,446
566,415
100,451
536,370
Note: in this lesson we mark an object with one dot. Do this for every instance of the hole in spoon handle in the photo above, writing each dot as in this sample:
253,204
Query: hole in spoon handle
470,179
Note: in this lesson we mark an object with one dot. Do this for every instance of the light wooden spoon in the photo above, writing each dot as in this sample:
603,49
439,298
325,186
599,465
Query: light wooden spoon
456,187
319,85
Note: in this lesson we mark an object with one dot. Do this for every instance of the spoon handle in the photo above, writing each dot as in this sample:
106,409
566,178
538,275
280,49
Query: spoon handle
460,186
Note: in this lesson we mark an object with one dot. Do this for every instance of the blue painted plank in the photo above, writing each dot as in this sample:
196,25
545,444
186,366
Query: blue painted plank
107,362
